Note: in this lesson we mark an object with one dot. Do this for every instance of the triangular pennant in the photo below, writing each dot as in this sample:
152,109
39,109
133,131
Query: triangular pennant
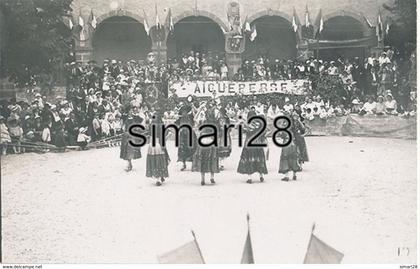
320,253
248,253
189,253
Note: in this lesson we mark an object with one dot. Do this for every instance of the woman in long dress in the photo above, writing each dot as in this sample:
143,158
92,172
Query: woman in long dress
291,156
225,147
128,152
299,131
206,159
185,151
157,159
253,158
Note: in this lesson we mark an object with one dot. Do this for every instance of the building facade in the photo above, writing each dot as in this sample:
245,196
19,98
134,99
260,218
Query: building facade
129,29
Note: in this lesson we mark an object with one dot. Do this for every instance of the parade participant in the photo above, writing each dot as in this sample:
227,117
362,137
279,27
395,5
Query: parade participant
289,158
157,159
206,159
299,131
253,158
128,152
224,150
185,152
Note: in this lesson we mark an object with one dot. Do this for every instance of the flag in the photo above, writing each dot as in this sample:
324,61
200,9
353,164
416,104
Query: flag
307,19
157,17
368,22
248,253
81,21
320,253
189,253
387,28
319,23
379,27
294,21
247,25
146,24
253,33
170,22
71,23
93,21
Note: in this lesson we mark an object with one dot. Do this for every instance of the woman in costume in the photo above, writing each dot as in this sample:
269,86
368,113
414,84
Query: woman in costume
299,131
128,152
290,158
206,159
225,147
185,152
157,159
253,158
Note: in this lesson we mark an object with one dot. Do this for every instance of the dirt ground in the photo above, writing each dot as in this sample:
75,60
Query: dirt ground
82,207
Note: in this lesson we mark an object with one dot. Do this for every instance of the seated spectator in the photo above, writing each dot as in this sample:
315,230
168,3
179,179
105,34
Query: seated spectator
4,136
390,105
369,107
380,106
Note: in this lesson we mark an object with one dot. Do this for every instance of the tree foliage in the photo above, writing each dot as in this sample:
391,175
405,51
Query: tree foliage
37,39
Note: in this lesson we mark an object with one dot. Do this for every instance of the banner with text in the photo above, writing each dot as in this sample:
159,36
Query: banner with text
227,88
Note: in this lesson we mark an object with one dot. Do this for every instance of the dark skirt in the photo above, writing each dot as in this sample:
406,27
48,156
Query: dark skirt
128,152
303,151
289,159
252,161
157,161
225,150
206,160
185,152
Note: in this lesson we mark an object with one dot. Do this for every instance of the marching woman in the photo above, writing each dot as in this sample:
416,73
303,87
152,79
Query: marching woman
225,147
290,158
157,159
206,159
128,152
185,152
253,158
299,131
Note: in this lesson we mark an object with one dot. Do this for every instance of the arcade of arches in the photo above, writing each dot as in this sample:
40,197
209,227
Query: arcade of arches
124,38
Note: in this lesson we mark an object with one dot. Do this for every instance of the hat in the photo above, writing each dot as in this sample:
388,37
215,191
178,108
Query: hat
82,130
113,61
355,102
287,99
37,94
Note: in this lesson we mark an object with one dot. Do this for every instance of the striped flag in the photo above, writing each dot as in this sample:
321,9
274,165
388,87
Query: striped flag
319,252
248,253
253,34
189,253
71,23
170,22
81,21
146,24
157,17
307,18
93,21
379,27
294,21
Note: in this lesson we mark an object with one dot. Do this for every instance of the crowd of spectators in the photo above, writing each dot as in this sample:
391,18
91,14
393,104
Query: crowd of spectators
98,96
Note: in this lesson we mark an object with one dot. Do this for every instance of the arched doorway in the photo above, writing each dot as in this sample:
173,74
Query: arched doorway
121,38
275,39
195,33
342,28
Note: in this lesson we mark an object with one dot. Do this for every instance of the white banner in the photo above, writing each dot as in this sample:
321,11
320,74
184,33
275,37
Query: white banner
223,88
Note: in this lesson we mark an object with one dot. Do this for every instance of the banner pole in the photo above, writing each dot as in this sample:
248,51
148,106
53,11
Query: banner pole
198,246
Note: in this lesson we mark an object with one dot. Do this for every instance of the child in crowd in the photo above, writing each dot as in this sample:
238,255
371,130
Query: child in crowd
82,138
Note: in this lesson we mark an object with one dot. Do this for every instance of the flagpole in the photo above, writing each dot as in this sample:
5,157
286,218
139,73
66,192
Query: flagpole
198,246
310,240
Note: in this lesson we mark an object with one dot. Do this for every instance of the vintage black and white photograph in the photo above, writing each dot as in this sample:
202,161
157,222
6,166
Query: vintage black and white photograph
208,132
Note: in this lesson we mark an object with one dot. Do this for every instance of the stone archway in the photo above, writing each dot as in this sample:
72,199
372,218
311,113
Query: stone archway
199,33
354,16
275,36
120,35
